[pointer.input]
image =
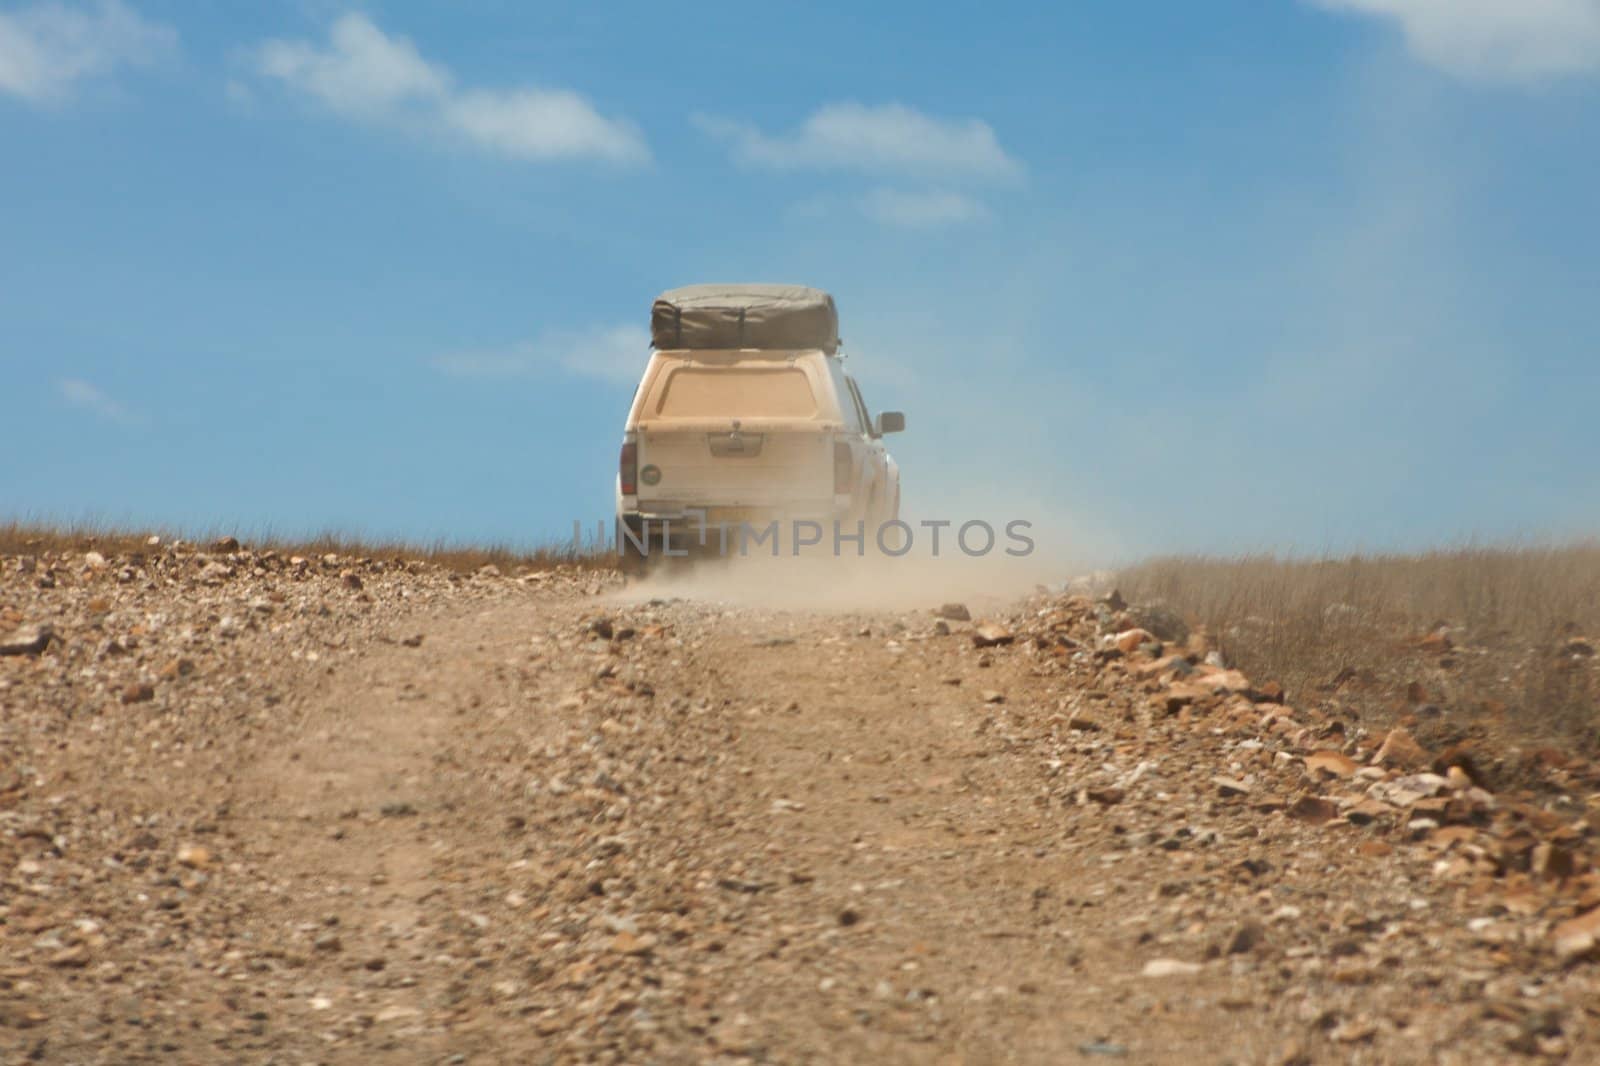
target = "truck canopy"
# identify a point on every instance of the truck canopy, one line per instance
(744, 316)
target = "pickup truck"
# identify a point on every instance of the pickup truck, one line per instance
(721, 440)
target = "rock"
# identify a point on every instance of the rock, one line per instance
(1313, 809)
(954, 612)
(1107, 796)
(941, 628)
(1577, 937)
(225, 545)
(26, 640)
(1578, 648)
(1114, 600)
(633, 944)
(602, 628)
(1225, 681)
(94, 560)
(1401, 749)
(176, 668)
(328, 942)
(1368, 811)
(1170, 968)
(194, 856)
(396, 1013)
(1405, 791)
(1330, 763)
(1436, 643)
(1355, 1031)
(413, 641)
(1130, 640)
(350, 579)
(1229, 786)
(991, 634)
(1271, 692)
(1246, 938)
(139, 692)
(1165, 624)
(1552, 862)
(991, 696)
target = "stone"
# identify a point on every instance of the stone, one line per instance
(225, 545)
(1106, 796)
(176, 668)
(1230, 786)
(1271, 692)
(991, 634)
(1400, 749)
(26, 640)
(1436, 643)
(1576, 937)
(139, 692)
(1552, 862)
(1170, 968)
(1130, 640)
(194, 856)
(1225, 681)
(954, 612)
(1313, 809)
(626, 943)
(1368, 811)
(1162, 622)
(350, 579)
(1330, 763)
(1246, 938)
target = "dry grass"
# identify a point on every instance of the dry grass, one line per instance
(1349, 629)
(30, 538)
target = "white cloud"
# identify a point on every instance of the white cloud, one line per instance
(882, 139)
(921, 210)
(87, 397)
(610, 353)
(365, 74)
(544, 124)
(1506, 40)
(360, 71)
(46, 50)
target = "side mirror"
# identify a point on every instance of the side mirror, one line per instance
(889, 422)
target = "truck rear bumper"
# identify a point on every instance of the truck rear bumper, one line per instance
(730, 530)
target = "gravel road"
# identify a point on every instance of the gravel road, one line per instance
(261, 809)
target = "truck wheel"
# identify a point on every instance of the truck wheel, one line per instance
(631, 561)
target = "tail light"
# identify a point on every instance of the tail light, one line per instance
(629, 468)
(842, 463)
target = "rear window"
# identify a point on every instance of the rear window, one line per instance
(736, 392)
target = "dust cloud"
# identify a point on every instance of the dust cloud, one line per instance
(914, 581)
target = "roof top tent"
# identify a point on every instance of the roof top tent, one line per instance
(744, 316)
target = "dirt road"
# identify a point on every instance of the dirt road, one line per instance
(390, 817)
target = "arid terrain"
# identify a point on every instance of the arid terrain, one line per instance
(257, 807)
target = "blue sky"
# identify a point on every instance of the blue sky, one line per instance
(1157, 276)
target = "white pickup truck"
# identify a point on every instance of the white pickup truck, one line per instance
(723, 439)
